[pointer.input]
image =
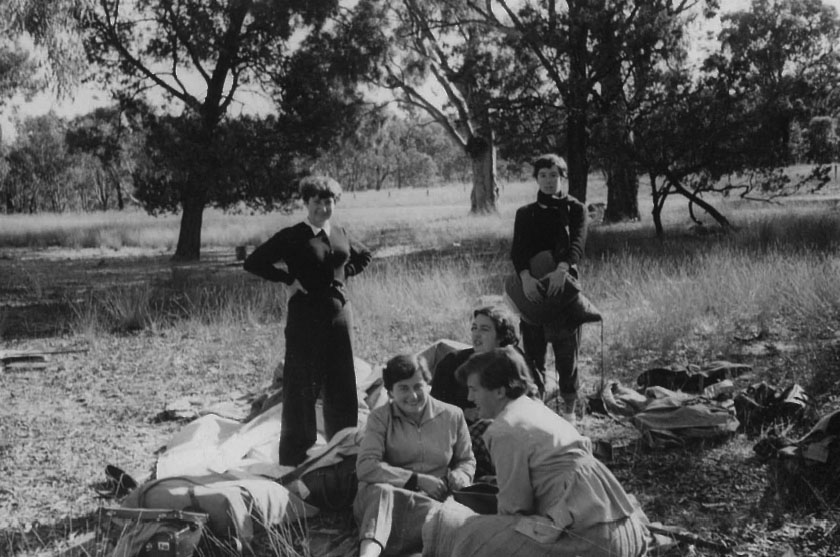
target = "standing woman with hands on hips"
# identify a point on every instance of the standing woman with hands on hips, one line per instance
(319, 256)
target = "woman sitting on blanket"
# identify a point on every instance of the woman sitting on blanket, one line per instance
(414, 451)
(554, 497)
(492, 327)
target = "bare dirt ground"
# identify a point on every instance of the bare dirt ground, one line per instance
(96, 403)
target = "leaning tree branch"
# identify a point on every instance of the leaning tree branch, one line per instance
(534, 46)
(445, 70)
(227, 59)
(676, 184)
(181, 36)
(108, 26)
(415, 98)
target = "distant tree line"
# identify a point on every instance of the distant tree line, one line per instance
(481, 86)
(111, 158)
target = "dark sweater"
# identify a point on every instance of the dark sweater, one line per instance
(313, 260)
(445, 386)
(561, 230)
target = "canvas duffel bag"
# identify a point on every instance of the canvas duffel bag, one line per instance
(153, 532)
(235, 506)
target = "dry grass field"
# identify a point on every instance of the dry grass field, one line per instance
(136, 332)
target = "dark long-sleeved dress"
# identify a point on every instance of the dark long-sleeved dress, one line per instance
(560, 229)
(319, 352)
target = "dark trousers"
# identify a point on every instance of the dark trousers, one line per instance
(564, 342)
(319, 360)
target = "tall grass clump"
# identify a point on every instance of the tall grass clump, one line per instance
(290, 538)
(222, 304)
(797, 229)
(668, 294)
(232, 302)
(123, 309)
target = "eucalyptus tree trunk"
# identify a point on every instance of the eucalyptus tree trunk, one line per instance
(622, 192)
(189, 234)
(577, 134)
(194, 193)
(485, 191)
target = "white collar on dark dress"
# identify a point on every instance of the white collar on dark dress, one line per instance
(315, 230)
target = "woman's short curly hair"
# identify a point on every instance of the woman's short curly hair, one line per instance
(402, 367)
(503, 321)
(549, 160)
(319, 186)
(499, 368)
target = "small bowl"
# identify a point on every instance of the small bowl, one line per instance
(480, 497)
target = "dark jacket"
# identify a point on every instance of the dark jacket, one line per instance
(319, 263)
(561, 230)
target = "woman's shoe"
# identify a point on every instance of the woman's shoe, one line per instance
(568, 412)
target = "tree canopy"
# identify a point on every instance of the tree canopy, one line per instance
(53, 26)
(202, 56)
(435, 56)
(607, 83)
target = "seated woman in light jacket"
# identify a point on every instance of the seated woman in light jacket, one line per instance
(554, 497)
(415, 450)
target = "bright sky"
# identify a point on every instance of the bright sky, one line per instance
(89, 98)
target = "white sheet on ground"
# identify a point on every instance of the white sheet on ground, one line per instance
(215, 444)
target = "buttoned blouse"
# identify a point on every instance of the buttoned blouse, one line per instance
(318, 229)
(545, 467)
(395, 446)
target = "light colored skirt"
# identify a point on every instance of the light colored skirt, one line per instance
(453, 530)
(392, 516)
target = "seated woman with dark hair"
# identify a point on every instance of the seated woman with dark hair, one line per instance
(554, 497)
(492, 327)
(414, 451)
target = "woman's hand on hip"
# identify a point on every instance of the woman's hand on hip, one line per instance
(432, 486)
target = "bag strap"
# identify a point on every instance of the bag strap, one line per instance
(144, 489)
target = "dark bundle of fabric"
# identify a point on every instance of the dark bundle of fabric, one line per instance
(762, 406)
(691, 378)
(803, 473)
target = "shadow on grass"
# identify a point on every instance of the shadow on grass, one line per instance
(78, 536)
(825, 363)
(329, 534)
